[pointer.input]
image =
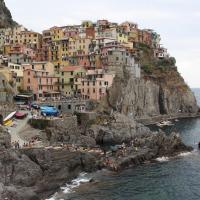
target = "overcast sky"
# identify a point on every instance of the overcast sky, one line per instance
(178, 22)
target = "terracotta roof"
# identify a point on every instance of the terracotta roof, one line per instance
(70, 68)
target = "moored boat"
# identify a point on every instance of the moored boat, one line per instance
(20, 115)
(9, 118)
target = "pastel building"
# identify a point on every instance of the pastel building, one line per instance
(115, 58)
(9, 75)
(18, 71)
(44, 66)
(41, 83)
(95, 84)
(67, 77)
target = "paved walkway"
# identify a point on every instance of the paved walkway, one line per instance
(15, 130)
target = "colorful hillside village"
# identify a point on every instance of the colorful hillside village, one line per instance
(78, 61)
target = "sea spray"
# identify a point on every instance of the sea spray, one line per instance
(68, 188)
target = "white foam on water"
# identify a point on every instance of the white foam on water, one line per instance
(162, 159)
(188, 153)
(185, 154)
(68, 188)
(52, 198)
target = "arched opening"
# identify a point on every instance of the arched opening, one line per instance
(59, 107)
(1, 119)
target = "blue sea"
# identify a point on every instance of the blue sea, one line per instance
(168, 179)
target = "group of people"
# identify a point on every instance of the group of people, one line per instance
(16, 145)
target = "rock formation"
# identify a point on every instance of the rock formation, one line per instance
(5, 16)
(163, 92)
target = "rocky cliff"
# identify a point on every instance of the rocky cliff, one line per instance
(28, 174)
(160, 91)
(5, 16)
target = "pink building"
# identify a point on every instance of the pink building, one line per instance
(95, 84)
(40, 83)
(83, 60)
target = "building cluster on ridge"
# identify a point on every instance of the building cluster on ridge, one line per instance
(79, 60)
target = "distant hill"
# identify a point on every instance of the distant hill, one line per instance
(6, 19)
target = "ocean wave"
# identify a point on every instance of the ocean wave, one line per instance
(162, 159)
(75, 183)
(185, 154)
(68, 188)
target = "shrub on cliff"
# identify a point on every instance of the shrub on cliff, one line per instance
(147, 68)
(166, 62)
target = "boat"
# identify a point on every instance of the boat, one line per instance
(20, 115)
(165, 123)
(9, 118)
(8, 123)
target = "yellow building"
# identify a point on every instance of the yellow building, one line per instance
(7, 49)
(57, 33)
(64, 53)
(87, 24)
(122, 37)
(18, 73)
(67, 77)
(29, 38)
(9, 75)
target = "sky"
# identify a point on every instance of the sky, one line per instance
(177, 21)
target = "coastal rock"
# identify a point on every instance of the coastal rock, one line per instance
(67, 131)
(5, 138)
(120, 129)
(147, 148)
(37, 173)
(162, 93)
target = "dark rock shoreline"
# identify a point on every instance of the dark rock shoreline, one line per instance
(33, 174)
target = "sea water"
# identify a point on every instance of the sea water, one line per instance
(167, 179)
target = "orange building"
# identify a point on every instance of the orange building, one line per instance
(40, 83)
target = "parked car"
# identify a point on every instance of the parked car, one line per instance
(35, 106)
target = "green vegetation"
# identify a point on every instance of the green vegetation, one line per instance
(147, 68)
(166, 62)
(39, 123)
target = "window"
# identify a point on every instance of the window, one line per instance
(72, 73)
(43, 67)
(100, 83)
(29, 73)
(100, 91)
(62, 73)
(93, 90)
(83, 83)
(93, 83)
(83, 90)
(71, 86)
(88, 91)
(69, 107)
(117, 58)
(32, 66)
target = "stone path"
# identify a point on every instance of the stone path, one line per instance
(14, 131)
